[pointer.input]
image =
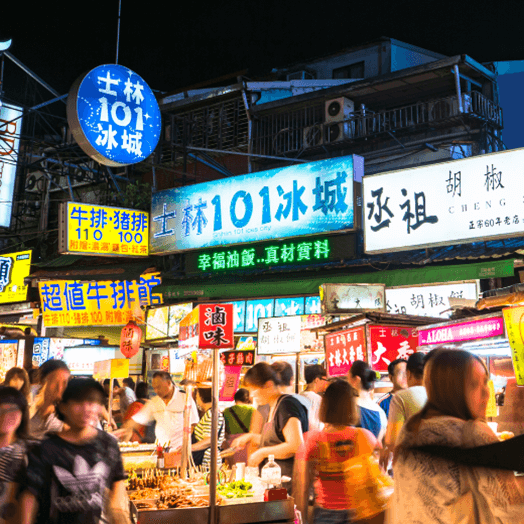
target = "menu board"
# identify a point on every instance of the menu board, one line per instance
(8, 356)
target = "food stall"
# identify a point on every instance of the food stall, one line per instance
(190, 494)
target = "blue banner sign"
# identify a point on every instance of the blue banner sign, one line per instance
(297, 200)
(114, 115)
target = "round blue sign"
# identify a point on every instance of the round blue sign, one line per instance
(114, 115)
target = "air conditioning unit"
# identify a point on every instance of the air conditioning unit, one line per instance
(35, 182)
(312, 136)
(337, 131)
(300, 75)
(339, 109)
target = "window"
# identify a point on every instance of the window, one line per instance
(349, 71)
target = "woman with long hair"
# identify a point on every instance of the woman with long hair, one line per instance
(431, 489)
(283, 422)
(19, 379)
(325, 454)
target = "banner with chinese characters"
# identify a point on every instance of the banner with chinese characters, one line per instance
(106, 303)
(343, 348)
(429, 300)
(230, 384)
(352, 298)
(292, 201)
(279, 335)
(477, 198)
(514, 320)
(238, 358)
(14, 268)
(387, 343)
(8, 356)
(103, 230)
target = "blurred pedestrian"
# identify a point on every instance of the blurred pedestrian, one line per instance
(126, 395)
(76, 474)
(145, 434)
(435, 490)
(397, 376)
(53, 377)
(324, 456)
(372, 416)
(19, 379)
(238, 420)
(316, 384)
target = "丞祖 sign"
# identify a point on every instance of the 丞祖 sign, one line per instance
(477, 198)
(387, 343)
(14, 268)
(343, 348)
(114, 115)
(103, 230)
(99, 303)
(279, 335)
(10, 131)
(292, 201)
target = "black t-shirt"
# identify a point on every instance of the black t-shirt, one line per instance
(70, 480)
(290, 407)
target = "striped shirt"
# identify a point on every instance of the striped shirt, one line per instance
(203, 430)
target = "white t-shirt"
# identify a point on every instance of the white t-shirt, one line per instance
(169, 417)
(404, 404)
(316, 399)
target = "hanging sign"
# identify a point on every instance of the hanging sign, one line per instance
(388, 343)
(97, 303)
(343, 348)
(352, 298)
(279, 335)
(237, 358)
(10, 131)
(230, 384)
(292, 201)
(477, 198)
(514, 320)
(114, 115)
(130, 338)
(103, 230)
(14, 269)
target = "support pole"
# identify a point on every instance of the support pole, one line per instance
(214, 443)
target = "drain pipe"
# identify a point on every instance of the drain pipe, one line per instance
(457, 85)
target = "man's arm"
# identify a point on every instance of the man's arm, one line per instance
(144, 417)
(28, 508)
(396, 420)
(118, 510)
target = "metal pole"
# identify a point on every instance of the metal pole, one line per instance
(118, 30)
(110, 405)
(186, 441)
(214, 443)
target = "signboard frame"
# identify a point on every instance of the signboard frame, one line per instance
(295, 320)
(326, 308)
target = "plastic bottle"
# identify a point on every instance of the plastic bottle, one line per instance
(271, 473)
(159, 457)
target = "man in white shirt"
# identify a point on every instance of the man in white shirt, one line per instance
(166, 408)
(317, 383)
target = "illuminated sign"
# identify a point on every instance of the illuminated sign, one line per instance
(114, 115)
(343, 348)
(14, 269)
(102, 230)
(10, 130)
(164, 322)
(74, 303)
(514, 319)
(8, 356)
(352, 298)
(477, 198)
(45, 348)
(485, 327)
(387, 343)
(279, 335)
(429, 300)
(297, 200)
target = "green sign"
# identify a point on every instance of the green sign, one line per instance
(309, 251)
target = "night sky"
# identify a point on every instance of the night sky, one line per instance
(173, 45)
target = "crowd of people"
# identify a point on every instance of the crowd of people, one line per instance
(429, 433)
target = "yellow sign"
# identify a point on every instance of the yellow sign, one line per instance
(114, 368)
(514, 320)
(14, 268)
(104, 230)
(74, 303)
(491, 410)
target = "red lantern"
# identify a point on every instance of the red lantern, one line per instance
(130, 339)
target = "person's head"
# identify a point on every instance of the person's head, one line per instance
(107, 386)
(397, 374)
(262, 382)
(81, 403)
(129, 383)
(315, 376)
(19, 379)
(14, 413)
(415, 369)
(361, 376)
(285, 373)
(54, 375)
(339, 404)
(33, 376)
(163, 384)
(242, 396)
(142, 390)
(203, 398)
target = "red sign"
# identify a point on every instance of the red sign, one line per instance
(130, 338)
(237, 358)
(230, 385)
(389, 343)
(342, 349)
(216, 323)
